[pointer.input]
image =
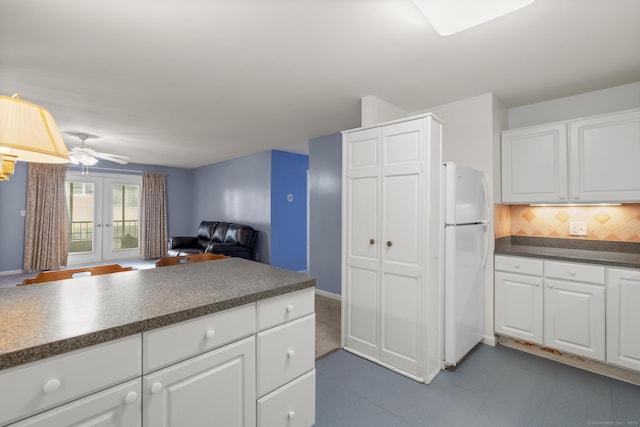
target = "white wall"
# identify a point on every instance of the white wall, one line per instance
(603, 101)
(375, 110)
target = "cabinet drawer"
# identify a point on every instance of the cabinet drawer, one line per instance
(285, 353)
(177, 342)
(529, 266)
(34, 387)
(574, 272)
(292, 405)
(284, 308)
(118, 406)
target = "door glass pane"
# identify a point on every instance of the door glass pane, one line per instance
(125, 216)
(80, 204)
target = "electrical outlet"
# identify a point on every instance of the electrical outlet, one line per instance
(578, 228)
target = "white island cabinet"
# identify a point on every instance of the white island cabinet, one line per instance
(249, 365)
(590, 160)
(49, 383)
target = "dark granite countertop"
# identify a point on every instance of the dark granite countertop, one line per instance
(615, 254)
(43, 320)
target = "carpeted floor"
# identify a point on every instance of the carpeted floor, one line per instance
(328, 317)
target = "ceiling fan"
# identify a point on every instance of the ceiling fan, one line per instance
(85, 156)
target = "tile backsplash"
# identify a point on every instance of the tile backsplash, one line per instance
(613, 223)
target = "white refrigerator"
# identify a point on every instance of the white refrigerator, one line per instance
(466, 234)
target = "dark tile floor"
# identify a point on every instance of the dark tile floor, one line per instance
(492, 387)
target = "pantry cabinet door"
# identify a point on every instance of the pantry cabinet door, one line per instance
(574, 318)
(623, 318)
(603, 157)
(403, 231)
(534, 164)
(361, 242)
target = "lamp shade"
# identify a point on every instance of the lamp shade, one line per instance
(29, 132)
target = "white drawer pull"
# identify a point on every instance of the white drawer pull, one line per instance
(156, 388)
(290, 308)
(51, 386)
(291, 353)
(517, 266)
(210, 334)
(550, 286)
(291, 414)
(572, 273)
(131, 397)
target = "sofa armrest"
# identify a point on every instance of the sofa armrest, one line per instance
(179, 242)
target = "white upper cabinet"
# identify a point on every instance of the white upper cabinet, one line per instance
(591, 160)
(604, 154)
(534, 164)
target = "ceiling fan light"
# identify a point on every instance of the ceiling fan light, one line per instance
(83, 159)
(452, 16)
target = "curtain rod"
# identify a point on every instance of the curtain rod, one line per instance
(98, 168)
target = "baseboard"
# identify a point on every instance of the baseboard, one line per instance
(331, 295)
(572, 360)
(490, 340)
(8, 272)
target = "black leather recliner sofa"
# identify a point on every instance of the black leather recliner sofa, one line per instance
(236, 240)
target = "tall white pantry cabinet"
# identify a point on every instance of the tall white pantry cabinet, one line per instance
(391, 233)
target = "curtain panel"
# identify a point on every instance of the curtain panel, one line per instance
(46, 220)
(153, 221)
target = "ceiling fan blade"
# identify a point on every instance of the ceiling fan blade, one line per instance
(123, 160)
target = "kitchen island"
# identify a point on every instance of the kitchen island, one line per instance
(186, 314)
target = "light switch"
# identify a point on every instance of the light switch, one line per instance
(23, 212)
(578, 228)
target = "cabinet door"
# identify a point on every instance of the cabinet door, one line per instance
(574, 318)
(603, 158)
(534, 165)
(402, 254)
(361, 243)
(518, 306)
(623, 318)
(117, 406)
(215, 388)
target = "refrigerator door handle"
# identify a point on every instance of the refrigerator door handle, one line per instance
(486, 222)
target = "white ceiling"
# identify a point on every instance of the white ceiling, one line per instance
(188, 83)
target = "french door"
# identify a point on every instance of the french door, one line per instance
(104, 217)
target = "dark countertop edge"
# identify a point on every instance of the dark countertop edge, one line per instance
(55, 348)
(612, 254)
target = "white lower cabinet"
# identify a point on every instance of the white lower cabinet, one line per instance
(292, 405)
(623, 318)
(46, 384)
(574, 318)
(215, 388)
(518, 311)
(583, 309)
(518, 298)
(117, 406)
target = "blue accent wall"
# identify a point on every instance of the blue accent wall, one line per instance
(289, 210)
(325, 211)
(236, 190)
